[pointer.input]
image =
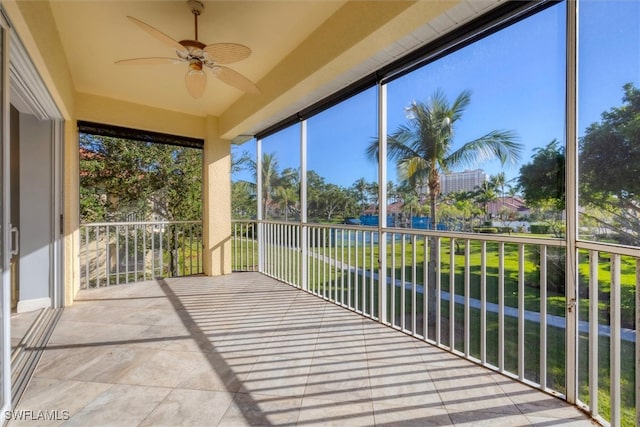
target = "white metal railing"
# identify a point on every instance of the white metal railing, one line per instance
(126, 252)
(497, 300)
(613, 303)
(244, 245)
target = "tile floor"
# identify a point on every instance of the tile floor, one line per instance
(20, 324)
(244, 349)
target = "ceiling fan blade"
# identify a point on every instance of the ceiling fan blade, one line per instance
(157, 33)
(196, 81)
(227, 53)
(150, 61)
(235, 79)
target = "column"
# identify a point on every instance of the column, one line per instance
(216, 202)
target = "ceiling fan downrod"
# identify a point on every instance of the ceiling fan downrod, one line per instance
(196, 8)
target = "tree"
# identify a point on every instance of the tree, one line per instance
(120, 179)
(499, 181)
(327, 201)
(270, 174)
(334, 200)
(241, 162)
(411, 204)
(609, 165)
(361, 186)
(425, 145)
(315, 188)
(457, 214)
(542, 181)
(243, 200)
(286, 197)
(180, 171)
(373, 195)
(485, 194)
(243, 193)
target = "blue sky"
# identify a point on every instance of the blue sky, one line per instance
(516, 77)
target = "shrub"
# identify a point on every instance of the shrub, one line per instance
(487, 230)
(540, 229)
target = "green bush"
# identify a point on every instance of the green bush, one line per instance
(540, 229)
(487, 230)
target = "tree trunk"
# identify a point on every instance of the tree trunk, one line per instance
(173, 264)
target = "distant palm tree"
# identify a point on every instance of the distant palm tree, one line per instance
(484, 194)
(499, 180)
(372, 190)
(286, 196)
(270, 175)
(360, 187)
(424, 146)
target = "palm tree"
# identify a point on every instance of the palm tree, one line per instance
(361, 186)
(485, 194)
(270, 176)
(372, 190)
(286, 197)
(499, 181)
(424, 146)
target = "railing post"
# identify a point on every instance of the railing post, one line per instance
(593, 333)
(304, 256)
(543, 317)
(452, 294)
(382, 199)
(259, 210)
(615, 347)
(521, 315)
(483, 303)
(637, 342)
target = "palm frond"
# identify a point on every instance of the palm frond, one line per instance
(498, 144)
(403, 144)
(372, 149)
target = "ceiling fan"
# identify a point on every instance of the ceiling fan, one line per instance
(199, 56)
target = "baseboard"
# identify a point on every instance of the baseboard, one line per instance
(33, 304)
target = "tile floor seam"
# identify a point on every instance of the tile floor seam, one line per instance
(233, 399)
(111, 385)
(154, 408)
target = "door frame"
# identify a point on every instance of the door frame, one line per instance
(27, 90)
(5, 250)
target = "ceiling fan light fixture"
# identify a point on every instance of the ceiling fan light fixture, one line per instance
(195, 79)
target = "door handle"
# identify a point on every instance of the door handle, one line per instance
(15, 241)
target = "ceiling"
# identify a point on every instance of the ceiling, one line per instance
(284, 36)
